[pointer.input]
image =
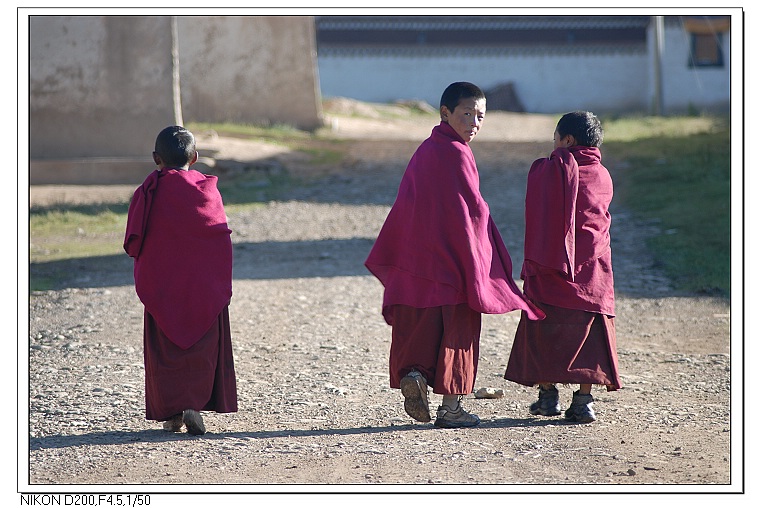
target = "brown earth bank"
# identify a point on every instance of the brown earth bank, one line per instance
(311, 348)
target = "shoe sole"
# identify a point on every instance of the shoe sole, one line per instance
(541, 412)
(173, 424)
(194, 422)
(415, 399)
(446, 424)
(586, 419)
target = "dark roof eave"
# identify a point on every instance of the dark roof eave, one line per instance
(543, 50)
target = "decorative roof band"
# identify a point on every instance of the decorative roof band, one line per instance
(631, 49)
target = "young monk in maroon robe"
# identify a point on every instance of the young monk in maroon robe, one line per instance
(568, 274)
(442, 263)
(178, 236)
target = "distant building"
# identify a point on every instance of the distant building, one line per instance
(539, 64)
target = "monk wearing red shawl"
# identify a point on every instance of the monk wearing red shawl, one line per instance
(178, 236)
(567, 273)
(442, 263)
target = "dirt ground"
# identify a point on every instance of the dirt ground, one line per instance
(316, 414)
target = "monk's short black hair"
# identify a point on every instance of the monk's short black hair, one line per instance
(584, 126)
(176, 146)
(455, 92)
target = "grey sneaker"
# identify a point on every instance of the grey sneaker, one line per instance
(547, 403)
(193, 422)
(415, 391)
(448, 418)
(174, 424)
(580, 409)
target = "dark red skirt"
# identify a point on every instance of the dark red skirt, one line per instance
(568, 347)
(201, 377)
(442, 343)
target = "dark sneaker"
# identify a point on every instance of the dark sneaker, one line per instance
(580, 410)
(193, 422)
(415, 391)
(547, 403)
(448, 418)
(174, 424)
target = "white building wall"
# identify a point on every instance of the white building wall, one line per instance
(558, 83)
(544, 83)
(686, 87)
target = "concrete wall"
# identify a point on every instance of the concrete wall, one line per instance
(250, 69)
(99, 86)
(102, 87)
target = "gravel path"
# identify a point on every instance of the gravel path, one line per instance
(310, 346)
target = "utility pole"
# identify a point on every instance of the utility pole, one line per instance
(176, 89)
(659, 28)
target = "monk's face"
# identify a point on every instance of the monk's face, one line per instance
(467, 117)
(563, 141)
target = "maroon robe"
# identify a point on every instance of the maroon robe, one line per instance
(568, 274)
(178, 236)
(201, 377)
(439, 250)
(441, 343)
(439, 244)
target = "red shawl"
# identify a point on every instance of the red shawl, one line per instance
(439, 244)
(177, 233)
(567, 231)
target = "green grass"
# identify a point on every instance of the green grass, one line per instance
(61, 233)
(637, 128)
(75, 232)
(677, 172)
(253, 188)
(283, 134)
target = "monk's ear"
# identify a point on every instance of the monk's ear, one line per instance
(195, 159)
(445, 113)
(156, 159)
(570, 140)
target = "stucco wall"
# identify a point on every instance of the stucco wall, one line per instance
(100, 86)
(249, 69)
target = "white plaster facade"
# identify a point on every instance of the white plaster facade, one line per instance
(545, 79)
(686, 87)
(544, 83)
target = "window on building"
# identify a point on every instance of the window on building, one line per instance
(706, 49)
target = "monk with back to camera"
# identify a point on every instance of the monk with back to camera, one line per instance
(178, 236)
(567, 273)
